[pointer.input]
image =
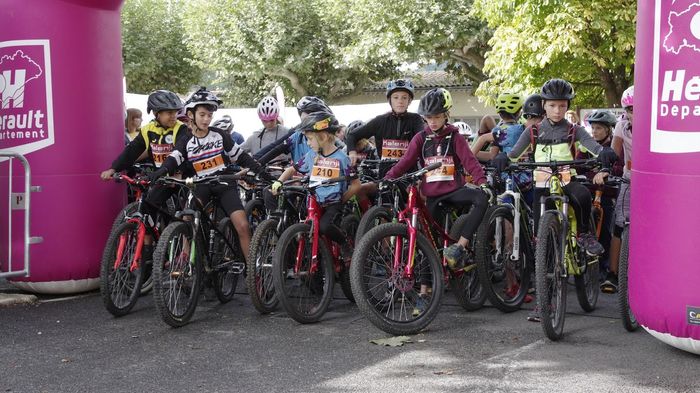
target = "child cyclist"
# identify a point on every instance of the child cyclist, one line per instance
(553, 139)
(622, 144)
(441, 142)
(325, 161)
(156, 139)
(509, 107)
(208, 151)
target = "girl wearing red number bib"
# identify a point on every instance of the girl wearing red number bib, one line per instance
(441, 142)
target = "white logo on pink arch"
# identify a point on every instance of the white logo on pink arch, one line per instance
(26, 106)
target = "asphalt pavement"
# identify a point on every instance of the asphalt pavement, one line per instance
(72, 344)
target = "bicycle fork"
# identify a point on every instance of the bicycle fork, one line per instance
(140, 234)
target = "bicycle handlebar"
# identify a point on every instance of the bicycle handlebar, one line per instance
(192, 181)
(553, 164)
(135, 182)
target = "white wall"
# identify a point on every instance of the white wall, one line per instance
(245, 120)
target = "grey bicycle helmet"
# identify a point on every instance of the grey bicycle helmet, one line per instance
(602, 116)
(163, 100)
(400, 85)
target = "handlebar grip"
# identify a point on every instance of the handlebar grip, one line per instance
(433, 166)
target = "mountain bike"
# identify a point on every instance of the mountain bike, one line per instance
(290, 210)
(505, 244)
(558, 254)
(629, 321)
(305, 262)
(396, 264)
(200, 243)
(122, 269)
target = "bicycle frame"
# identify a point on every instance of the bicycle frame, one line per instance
(138, 219)
(414, 215)
(517, 208)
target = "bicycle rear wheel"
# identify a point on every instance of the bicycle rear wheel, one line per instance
(465, 284)
(386, 296)
(229, 262)
(120, 280)
(550, 277)
(588, 283)
(259, 280)
(374, 216)
(255, 211)
(505, 281)
(349, 225)
(177, 274)
(628, 319)
(305, 291)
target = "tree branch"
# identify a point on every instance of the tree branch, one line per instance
(293, 80)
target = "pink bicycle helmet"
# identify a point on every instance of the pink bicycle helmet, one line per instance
(628, 97)
(268, 109)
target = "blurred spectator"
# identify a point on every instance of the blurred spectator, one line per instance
(572, 117)
(132, 124)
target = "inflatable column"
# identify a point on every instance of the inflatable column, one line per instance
(61, 107)
(664, 269)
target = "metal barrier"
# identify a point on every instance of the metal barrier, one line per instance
(19, 201)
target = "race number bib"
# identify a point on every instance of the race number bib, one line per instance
(209, 165)
(393, 148)
(543, 175)
(445, 173)
(160, 152)
(324, 169)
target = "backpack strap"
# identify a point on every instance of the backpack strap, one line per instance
(572, 141)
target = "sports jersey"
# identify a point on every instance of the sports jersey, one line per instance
(320, 167)
(157, 140)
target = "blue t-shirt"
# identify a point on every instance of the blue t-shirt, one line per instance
(321, 167)
(505, 136)
(297, 146)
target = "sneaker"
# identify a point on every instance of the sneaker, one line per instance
(421, 305)
(610, 283)
(590, 244)
(513, 292)
(534, 315)
(455, 256)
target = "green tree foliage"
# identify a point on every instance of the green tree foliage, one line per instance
(253, 45)
(152, 47)
(421, 30)
(588, 42)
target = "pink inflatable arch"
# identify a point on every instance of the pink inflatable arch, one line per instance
(664, 269)
(61, 106)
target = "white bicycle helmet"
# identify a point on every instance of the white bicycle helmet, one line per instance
(268, 109)
(464, 129)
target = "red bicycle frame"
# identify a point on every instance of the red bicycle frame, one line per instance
(139, 185)
(414, 214)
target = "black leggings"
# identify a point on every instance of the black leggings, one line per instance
(156, 198)
(579, 198)
(462, 197)
(327, 223)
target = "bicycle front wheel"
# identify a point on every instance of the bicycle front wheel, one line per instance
(550, 276)
(628, 319)
(349, 225)
(120, 279)
(177, 274)
(304, 286)
(229, 262)
(259, 279)
(374, 216)
(505, 280)
(392, 300)
(255, 211)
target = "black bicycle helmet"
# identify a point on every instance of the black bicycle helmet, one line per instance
(557, 89)
(163, 100)
(353, 126)
(203, 97)
(434, 102)
(533, 106)
(400, 85)
(309, 104)
(602, 116)
(320, 121)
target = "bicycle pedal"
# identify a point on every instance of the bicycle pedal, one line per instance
(237, 267)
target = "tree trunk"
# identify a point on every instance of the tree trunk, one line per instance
(293, 80)
(611, 86)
